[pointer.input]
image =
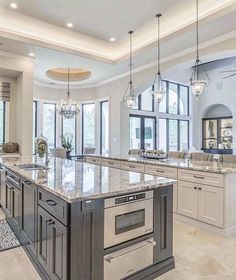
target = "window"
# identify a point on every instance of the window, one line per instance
(176, 100)
(142, 132)
(49, 123)
(2, 121)
(69, 130)
(173, 134)
(104, 127)
(35, 107)
(145, 101)
(88, 125)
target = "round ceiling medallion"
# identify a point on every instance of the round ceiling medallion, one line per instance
(61, 74)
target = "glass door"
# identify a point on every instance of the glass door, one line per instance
(142, 132)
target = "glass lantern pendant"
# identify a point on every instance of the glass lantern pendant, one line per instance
(129, 97)
(158, 90)
(198, 85)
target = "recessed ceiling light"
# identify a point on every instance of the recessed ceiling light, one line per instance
(31, 54)
(13, 5)
(112, 39)
(70, 24)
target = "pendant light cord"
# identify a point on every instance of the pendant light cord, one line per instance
(68, 83)
(197, 36)
(158, 45)
(130, 61)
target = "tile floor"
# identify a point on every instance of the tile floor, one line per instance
(199, 255)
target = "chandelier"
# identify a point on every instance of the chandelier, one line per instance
(158, 90)
(129, 96)
(68, 108)
(198, 84)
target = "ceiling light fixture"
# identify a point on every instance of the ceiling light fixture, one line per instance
(68, 108)
(198, 84)
(158, 89)
(129, 96)
(70, 24)
(13, 5)
(112, 39)
(32, 54)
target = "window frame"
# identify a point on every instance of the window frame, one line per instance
(4, 122)
(101, 122)
(76, 134)
(55, 121)
(142, 126)
(139, 97)
(82, 120)
(178, 132)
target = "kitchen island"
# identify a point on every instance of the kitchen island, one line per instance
(80, 221)
(204, 192)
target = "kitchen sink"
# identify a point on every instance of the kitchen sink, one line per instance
(32, 166)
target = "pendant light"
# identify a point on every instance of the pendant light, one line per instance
(68, 108)
(158, 90)
(129, 96)
(198, 84)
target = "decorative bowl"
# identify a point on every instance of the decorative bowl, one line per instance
(10, 147)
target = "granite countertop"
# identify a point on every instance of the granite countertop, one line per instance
(74, 181)
(205, 166)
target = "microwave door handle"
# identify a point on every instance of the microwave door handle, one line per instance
(111, 258)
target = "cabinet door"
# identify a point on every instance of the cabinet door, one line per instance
(44, 239)
(175, 197)
(58, 251)
(3, 189)
(188, 199)
(29, 217)
(211, 205)
(16, 206)
(9, 199)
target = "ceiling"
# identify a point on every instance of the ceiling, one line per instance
(100, 20)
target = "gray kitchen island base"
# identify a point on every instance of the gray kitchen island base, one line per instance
(67, 239)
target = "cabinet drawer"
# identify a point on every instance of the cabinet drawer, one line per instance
(205, 178)
(162, 171)
(111, 163)
(12, 178)
(54, 205)
(94, 160)
(132, 166)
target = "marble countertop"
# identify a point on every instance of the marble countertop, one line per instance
(205, 166)
(74, 181)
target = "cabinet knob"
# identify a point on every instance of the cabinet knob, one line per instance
(199, 189)
(195, 188)
(50, 222)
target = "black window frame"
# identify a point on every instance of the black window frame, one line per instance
(139, 97)
(4, 122)
(178, 98)
(55, 121)
(142, 125)
(62, 120)
(82, 119)
(178, 132)
(101, 122)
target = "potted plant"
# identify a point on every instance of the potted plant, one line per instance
(67, 144)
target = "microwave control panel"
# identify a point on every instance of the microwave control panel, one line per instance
(130, 198)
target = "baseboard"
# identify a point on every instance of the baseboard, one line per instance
(154, 271)
(204, 226)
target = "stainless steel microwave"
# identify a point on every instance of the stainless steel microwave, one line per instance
(127, 217)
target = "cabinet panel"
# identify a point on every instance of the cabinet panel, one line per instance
(188, 199)
(9, 199)
(111, 163)
(93, 160)
(162, 171)
(175, 197)
(43, 239)
(58, 251)
(132, 166)
(16, 206)
(207, 178)
(29, 215)
(211, 205)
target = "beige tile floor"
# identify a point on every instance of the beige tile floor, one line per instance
(199, 255)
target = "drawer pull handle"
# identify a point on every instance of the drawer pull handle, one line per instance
(27, 182)
(51, 202)
(198, 177)
(110, 162)
(50, 222)
(132, 166)
(160, 171)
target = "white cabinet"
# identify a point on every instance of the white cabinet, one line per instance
(157, 170)
(201, 202)
(94, 160)
(188, 199)
(132, 166)
(175, 197)
(211, 205)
